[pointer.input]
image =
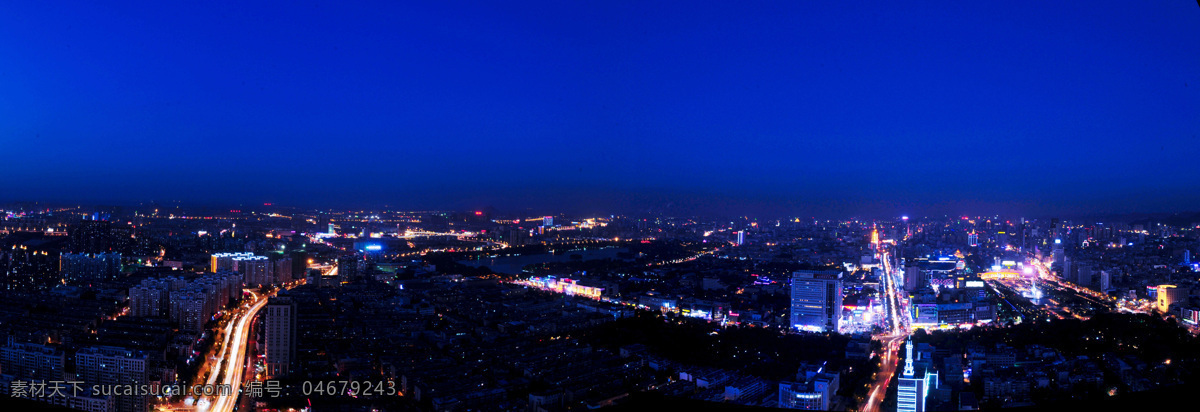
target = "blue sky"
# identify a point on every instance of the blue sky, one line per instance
(743, 107)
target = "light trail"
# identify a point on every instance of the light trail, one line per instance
(234, 368)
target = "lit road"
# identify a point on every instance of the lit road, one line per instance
(235, 359)
(891, 347)
(891, 342)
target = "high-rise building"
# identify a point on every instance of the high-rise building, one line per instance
(347, 268)
(280, 352)
(741, 237)
(224, 261)
(548, 221)
(972, 239)
(915, 278)
(281, 270)
(190, 307)
(816, 300)
(914, 385)
(109, 365)
(151, 298)
(254, 269)
(85, 268)
(1056, 253)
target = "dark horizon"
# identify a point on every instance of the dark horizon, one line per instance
(717, 208)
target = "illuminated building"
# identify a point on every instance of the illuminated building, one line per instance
(1169, 294)
(915, 383)
(657, 302)
(224, 261)
(280, 348)
(816, 300)
(548, 221)
(925, 314)
(741, 237)
(814, 393)
(972, 239)
(565, 286)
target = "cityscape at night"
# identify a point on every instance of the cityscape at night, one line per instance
(565, 206)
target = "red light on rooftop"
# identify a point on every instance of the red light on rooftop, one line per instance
(478, 213)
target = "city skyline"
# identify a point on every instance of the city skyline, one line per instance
(797, 109)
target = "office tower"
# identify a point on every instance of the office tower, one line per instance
(741, 237)
(1168, 295)
(915, 383)
(224, 261)
(85, 268)
(548, 221)
(109, 365)
(972, 239)
(816, 300)
(254, 269)
(280, 352)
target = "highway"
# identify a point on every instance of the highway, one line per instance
(230, 365)
(233, 358)
(237, 357)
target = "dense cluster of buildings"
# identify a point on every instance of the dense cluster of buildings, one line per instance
(479, 311)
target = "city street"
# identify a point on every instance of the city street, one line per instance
(898, 315)
(891, 357)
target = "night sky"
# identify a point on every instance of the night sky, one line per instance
(761, 107)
